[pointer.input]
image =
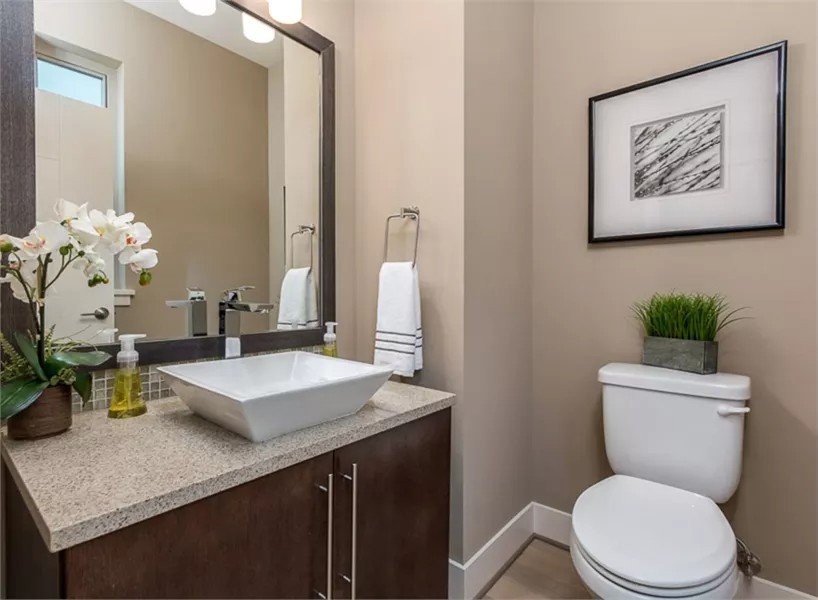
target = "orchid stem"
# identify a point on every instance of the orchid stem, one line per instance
(41, 288)
(29, 296)
(63, 267)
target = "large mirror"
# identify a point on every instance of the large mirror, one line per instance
(209, 130)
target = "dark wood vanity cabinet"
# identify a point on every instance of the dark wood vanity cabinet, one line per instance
(260, 539)
(392, 498)
(385, 535)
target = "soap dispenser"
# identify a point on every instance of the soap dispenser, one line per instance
(127, 399)
(330, 344)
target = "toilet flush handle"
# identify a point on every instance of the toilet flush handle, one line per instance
(726, 411)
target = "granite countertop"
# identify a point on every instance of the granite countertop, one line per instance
(105, 474)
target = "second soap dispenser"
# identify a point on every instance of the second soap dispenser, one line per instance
(330, 340)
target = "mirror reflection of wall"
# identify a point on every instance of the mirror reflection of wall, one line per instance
(209, 138)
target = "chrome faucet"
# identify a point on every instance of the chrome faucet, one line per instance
(230, 308)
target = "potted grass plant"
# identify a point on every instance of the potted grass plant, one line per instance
(681, 329)
(37, 370)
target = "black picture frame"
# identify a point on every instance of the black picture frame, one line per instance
(780, 48)
(18, 188)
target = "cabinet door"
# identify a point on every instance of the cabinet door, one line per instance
(392, 499)
(264, 539)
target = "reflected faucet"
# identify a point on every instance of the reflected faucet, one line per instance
(230, 308)
(196, 305)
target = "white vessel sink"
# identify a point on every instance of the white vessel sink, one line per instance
(260, 397)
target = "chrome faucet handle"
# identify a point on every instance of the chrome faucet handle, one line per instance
(234, 294)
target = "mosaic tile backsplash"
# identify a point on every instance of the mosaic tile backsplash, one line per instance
(153, 385)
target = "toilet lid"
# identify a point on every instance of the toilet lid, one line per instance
(653, 534)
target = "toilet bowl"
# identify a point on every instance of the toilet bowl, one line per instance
(654, 530)
(636, 539)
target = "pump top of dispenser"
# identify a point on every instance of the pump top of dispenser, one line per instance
(127, 353)
(330, 336)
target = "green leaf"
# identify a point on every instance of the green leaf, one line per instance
(52, 367)
(80, 359)
(18, 395)
(28, 350)
(82, 385)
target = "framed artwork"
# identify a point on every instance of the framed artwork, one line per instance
(695, 152)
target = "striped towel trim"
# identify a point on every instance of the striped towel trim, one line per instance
(381, 331)
(382, 349)
(413, 343)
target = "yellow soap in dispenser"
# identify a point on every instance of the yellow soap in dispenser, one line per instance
(127, 399)
(330, 344)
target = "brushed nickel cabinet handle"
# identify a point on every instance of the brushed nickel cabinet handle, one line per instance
(329, 490)
(354, 562)
(354, 529)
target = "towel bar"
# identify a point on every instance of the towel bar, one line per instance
(410, 212)
(301, 229)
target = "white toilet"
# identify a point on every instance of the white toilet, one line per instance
(653, 530)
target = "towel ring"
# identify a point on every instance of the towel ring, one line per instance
(301, 229)
(410, 212)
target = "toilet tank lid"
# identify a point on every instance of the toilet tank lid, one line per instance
(723, 386)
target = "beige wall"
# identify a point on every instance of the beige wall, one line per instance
(497, 463)
(192, 159)
(582, 294)
(409, 150)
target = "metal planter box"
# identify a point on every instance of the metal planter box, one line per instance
(683, 355)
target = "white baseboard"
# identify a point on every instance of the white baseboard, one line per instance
(552, 524)
(756, 588)
(469, 579)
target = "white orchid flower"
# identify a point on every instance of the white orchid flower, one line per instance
(91, 264)
(111, 228)
(139, 259)
(28, 270)
(46, 237)
(138, 235)
(67, 211)
(83, 231)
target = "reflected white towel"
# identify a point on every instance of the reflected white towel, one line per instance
(298, 300)
(399, 336)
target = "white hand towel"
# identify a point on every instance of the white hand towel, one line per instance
(298, 302)
(399, 336)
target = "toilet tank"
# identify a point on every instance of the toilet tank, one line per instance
(676, 428)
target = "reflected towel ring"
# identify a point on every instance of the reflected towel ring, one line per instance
(409, 212)
(301, 229)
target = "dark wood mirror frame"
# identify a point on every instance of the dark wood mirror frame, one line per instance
(18, 188)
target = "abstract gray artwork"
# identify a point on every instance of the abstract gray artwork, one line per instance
(678, 155)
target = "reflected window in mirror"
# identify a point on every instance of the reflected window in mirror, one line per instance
(72, 81)
(209, 137)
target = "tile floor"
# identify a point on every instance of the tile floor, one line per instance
(541, 571)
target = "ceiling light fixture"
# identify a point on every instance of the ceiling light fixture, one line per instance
(286, 11)
(202, 8)
(256, 30)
